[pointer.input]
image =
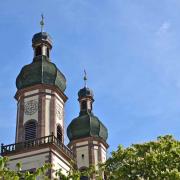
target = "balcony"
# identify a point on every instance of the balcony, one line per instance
(39, 142)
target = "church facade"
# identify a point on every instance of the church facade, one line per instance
(40, 127)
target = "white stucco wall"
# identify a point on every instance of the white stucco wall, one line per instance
(81, 143)
(30, 160)
(95, 142)
(59, 106)
(82, 148)
(95, 151)
(36, 159)
(48, 90)
(59, 163)
(103, 153)
(31, 92)
(82, 161)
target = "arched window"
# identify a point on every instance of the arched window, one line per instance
(38, 51)
(30, 130)
(59, 133)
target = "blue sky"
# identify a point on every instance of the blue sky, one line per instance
(129, 48)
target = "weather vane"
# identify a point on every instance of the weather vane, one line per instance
(42, 22)
(85, 78)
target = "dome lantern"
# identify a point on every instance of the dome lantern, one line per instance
(42, 42)
(85, 97)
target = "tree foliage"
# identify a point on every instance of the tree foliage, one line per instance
(7, 174)
(155, 160)
(158, 160)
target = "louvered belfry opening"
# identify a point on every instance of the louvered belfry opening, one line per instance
(59, 133)
(30, 130)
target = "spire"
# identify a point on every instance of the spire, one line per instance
(42, 22)
(85, 78)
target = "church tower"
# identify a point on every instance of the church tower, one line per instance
(40, 94)
(40, 112)
(87, 134)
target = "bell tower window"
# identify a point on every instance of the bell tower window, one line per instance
(30, 130)
(59, 133)
(83, 105)
(38, 51)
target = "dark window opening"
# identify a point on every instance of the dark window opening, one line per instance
(30, 130)
(38, 51)
(82, 156)
(59, 133)
(47, 52)
(31, 171)
(83, 177)
(84, 105)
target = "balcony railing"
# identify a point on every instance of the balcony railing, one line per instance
(7, 149)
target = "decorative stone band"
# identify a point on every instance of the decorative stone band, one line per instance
(20, 93)
(73, 142)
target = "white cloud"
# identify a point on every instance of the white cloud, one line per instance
(164, 28)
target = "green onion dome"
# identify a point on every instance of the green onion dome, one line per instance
(41, 70)
(86, 125)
